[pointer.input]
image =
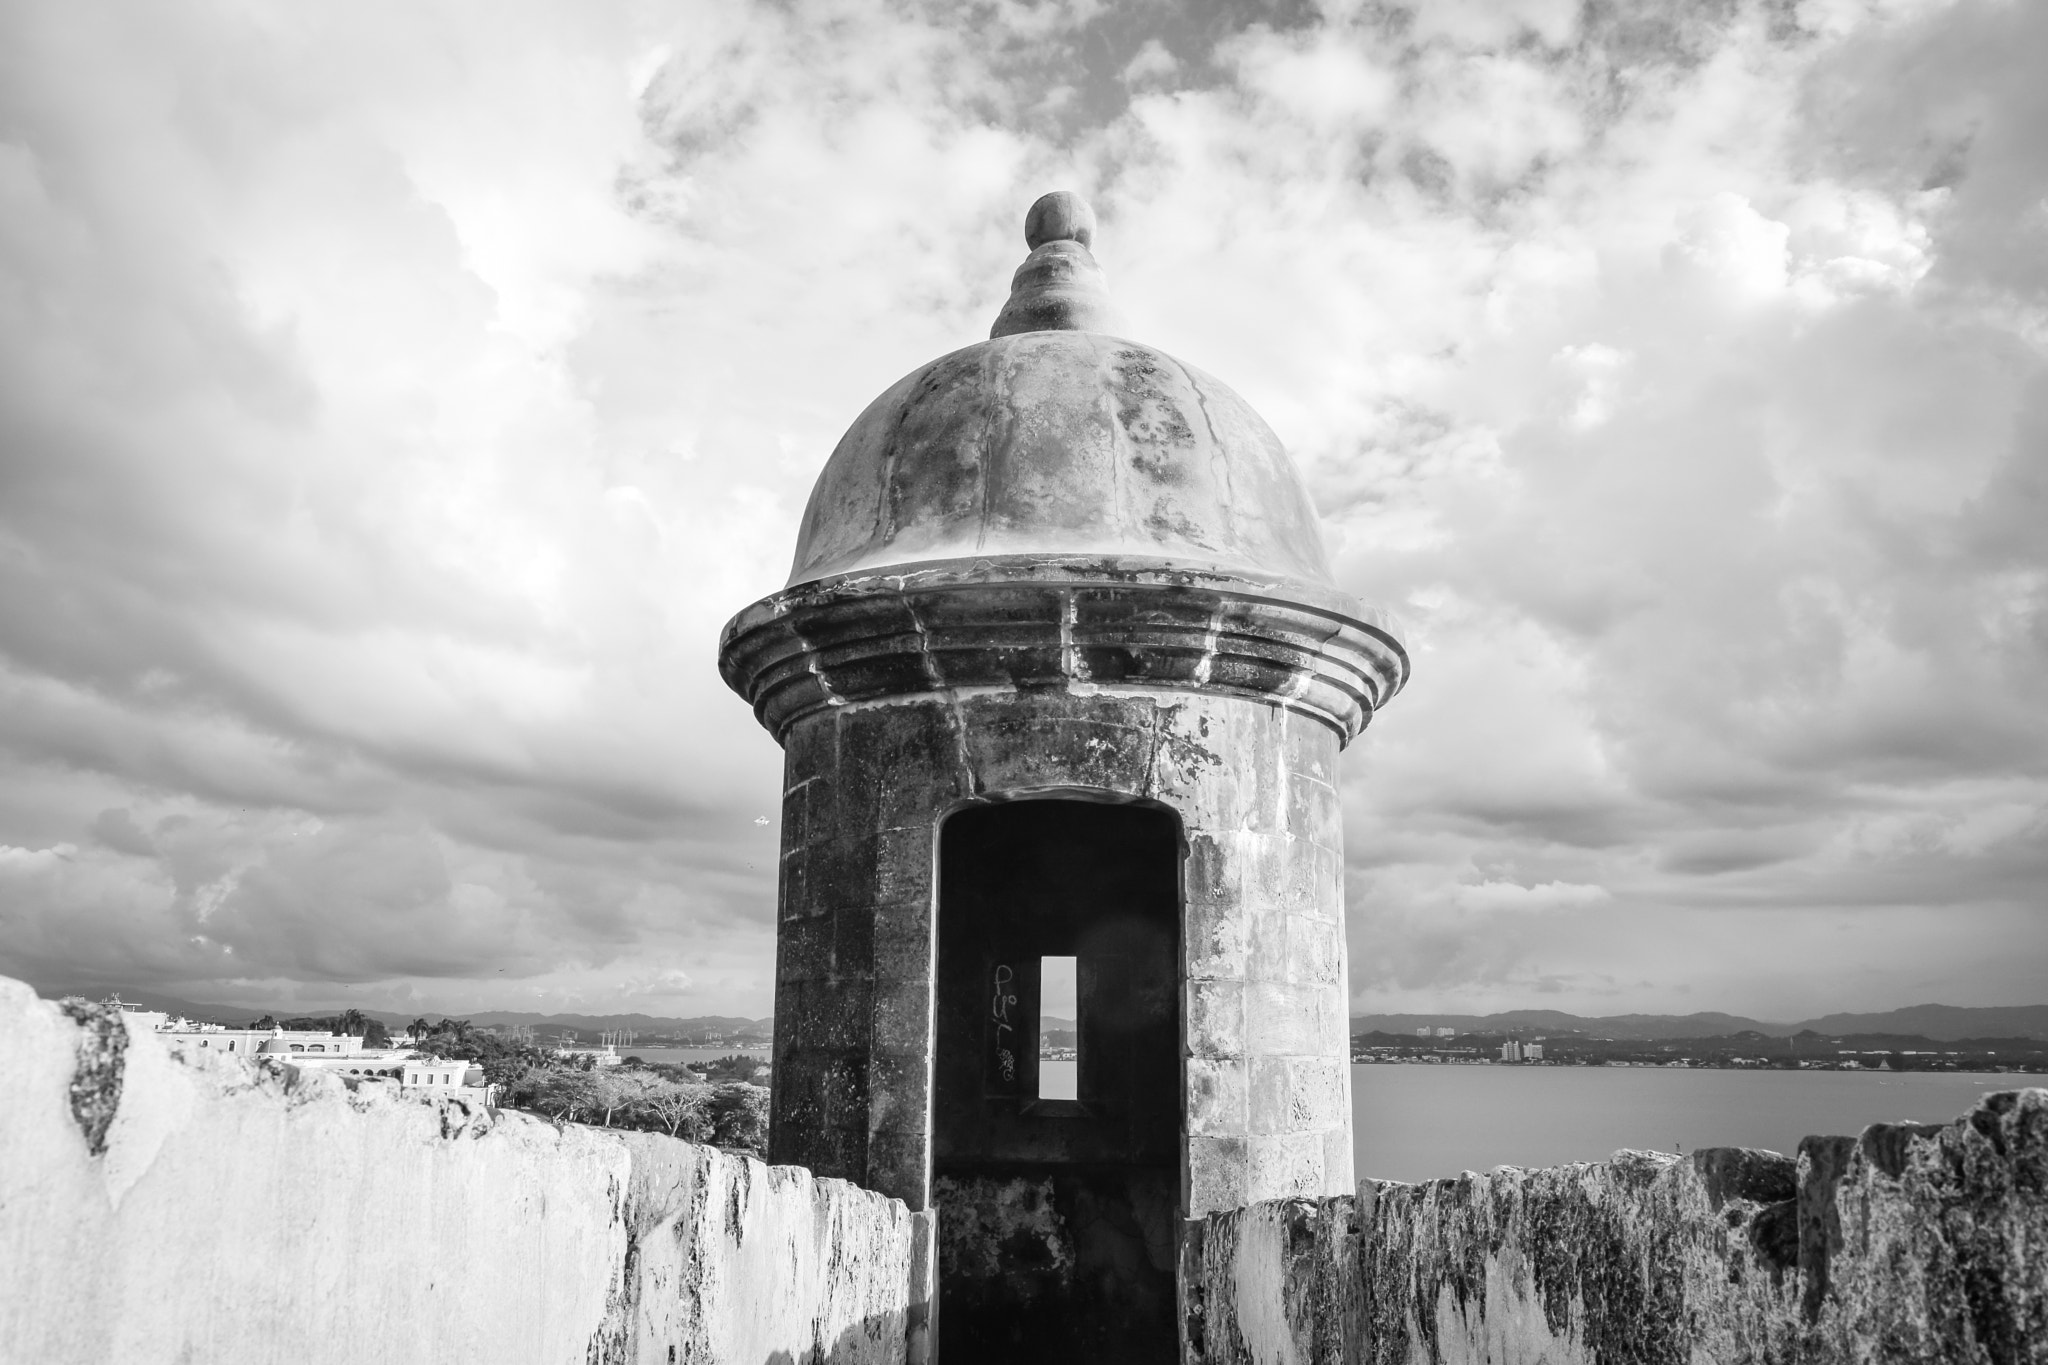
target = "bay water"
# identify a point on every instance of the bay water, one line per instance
(685, 1056)
(1432, 1122)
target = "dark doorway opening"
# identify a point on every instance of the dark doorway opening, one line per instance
(1057, 1216)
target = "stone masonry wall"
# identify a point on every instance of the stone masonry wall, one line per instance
(1910, 1243)
(153, 1209)
(1268, 1075)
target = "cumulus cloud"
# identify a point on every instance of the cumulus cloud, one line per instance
(390, 415)
(1513, 896)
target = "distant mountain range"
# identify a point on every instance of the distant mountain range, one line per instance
(734, 1026)
(1942, 1023)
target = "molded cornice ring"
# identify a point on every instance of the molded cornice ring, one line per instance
(1029, 623)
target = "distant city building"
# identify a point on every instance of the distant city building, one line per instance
(1446, 1033)
(1511, 1051)
(1422, 1032)
(605, 1055)
(1532, 1052)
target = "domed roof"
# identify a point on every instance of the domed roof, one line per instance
(1056, 437)
(272, 1047)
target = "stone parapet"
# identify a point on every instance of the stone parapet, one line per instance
(1910, 1243)
(1033, 623)
(164, 1209)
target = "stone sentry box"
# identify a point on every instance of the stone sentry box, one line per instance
(1062, 671)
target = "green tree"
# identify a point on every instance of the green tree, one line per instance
(739, 1117)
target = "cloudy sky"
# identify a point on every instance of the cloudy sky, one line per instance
(395, 400)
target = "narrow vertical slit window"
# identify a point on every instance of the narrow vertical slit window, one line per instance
(1059, 1029)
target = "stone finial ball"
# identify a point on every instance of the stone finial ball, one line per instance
(1061, 216)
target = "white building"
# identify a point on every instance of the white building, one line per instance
(599, 1056)
(183, 1034)
(439, 1073)
(1511, 1051)
(180, 1033)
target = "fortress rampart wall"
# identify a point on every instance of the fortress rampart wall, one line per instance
(155, 1209)
(1910, 1243)
(158, 1210)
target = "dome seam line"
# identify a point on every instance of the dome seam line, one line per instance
(991, 381)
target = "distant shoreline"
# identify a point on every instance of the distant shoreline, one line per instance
(1694, 1066)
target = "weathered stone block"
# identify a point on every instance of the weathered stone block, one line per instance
(797, 823)
(1315, 951)
(835, 1015)
(904, 857)
(1268, 958)
(1190, 734)
(1272, 1095)
(842, 873)
(1285, 1165)
(1216, 939)
(828, 1087)
(887, 769)
(899, 1165)
(903, 941)
(899, 1090)
(903, 1015)
(1283, 1019)
(794, 900)
(1312, 882)
(1210, 872)
(1218, 1096)
(1339, 1173)
(1309, 748)
(1260, 864)
(803, 950)
(1216, 1020)
(853, 943)
(1313, 813)
(1218, 1173)
(1319, 1094)
(1011, 748)
(1333, 1024)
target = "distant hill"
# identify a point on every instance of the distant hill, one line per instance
(1942, 1023)
(1945, 1023)
(171, 1004)
(1707, 1025)
(735, 1026)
